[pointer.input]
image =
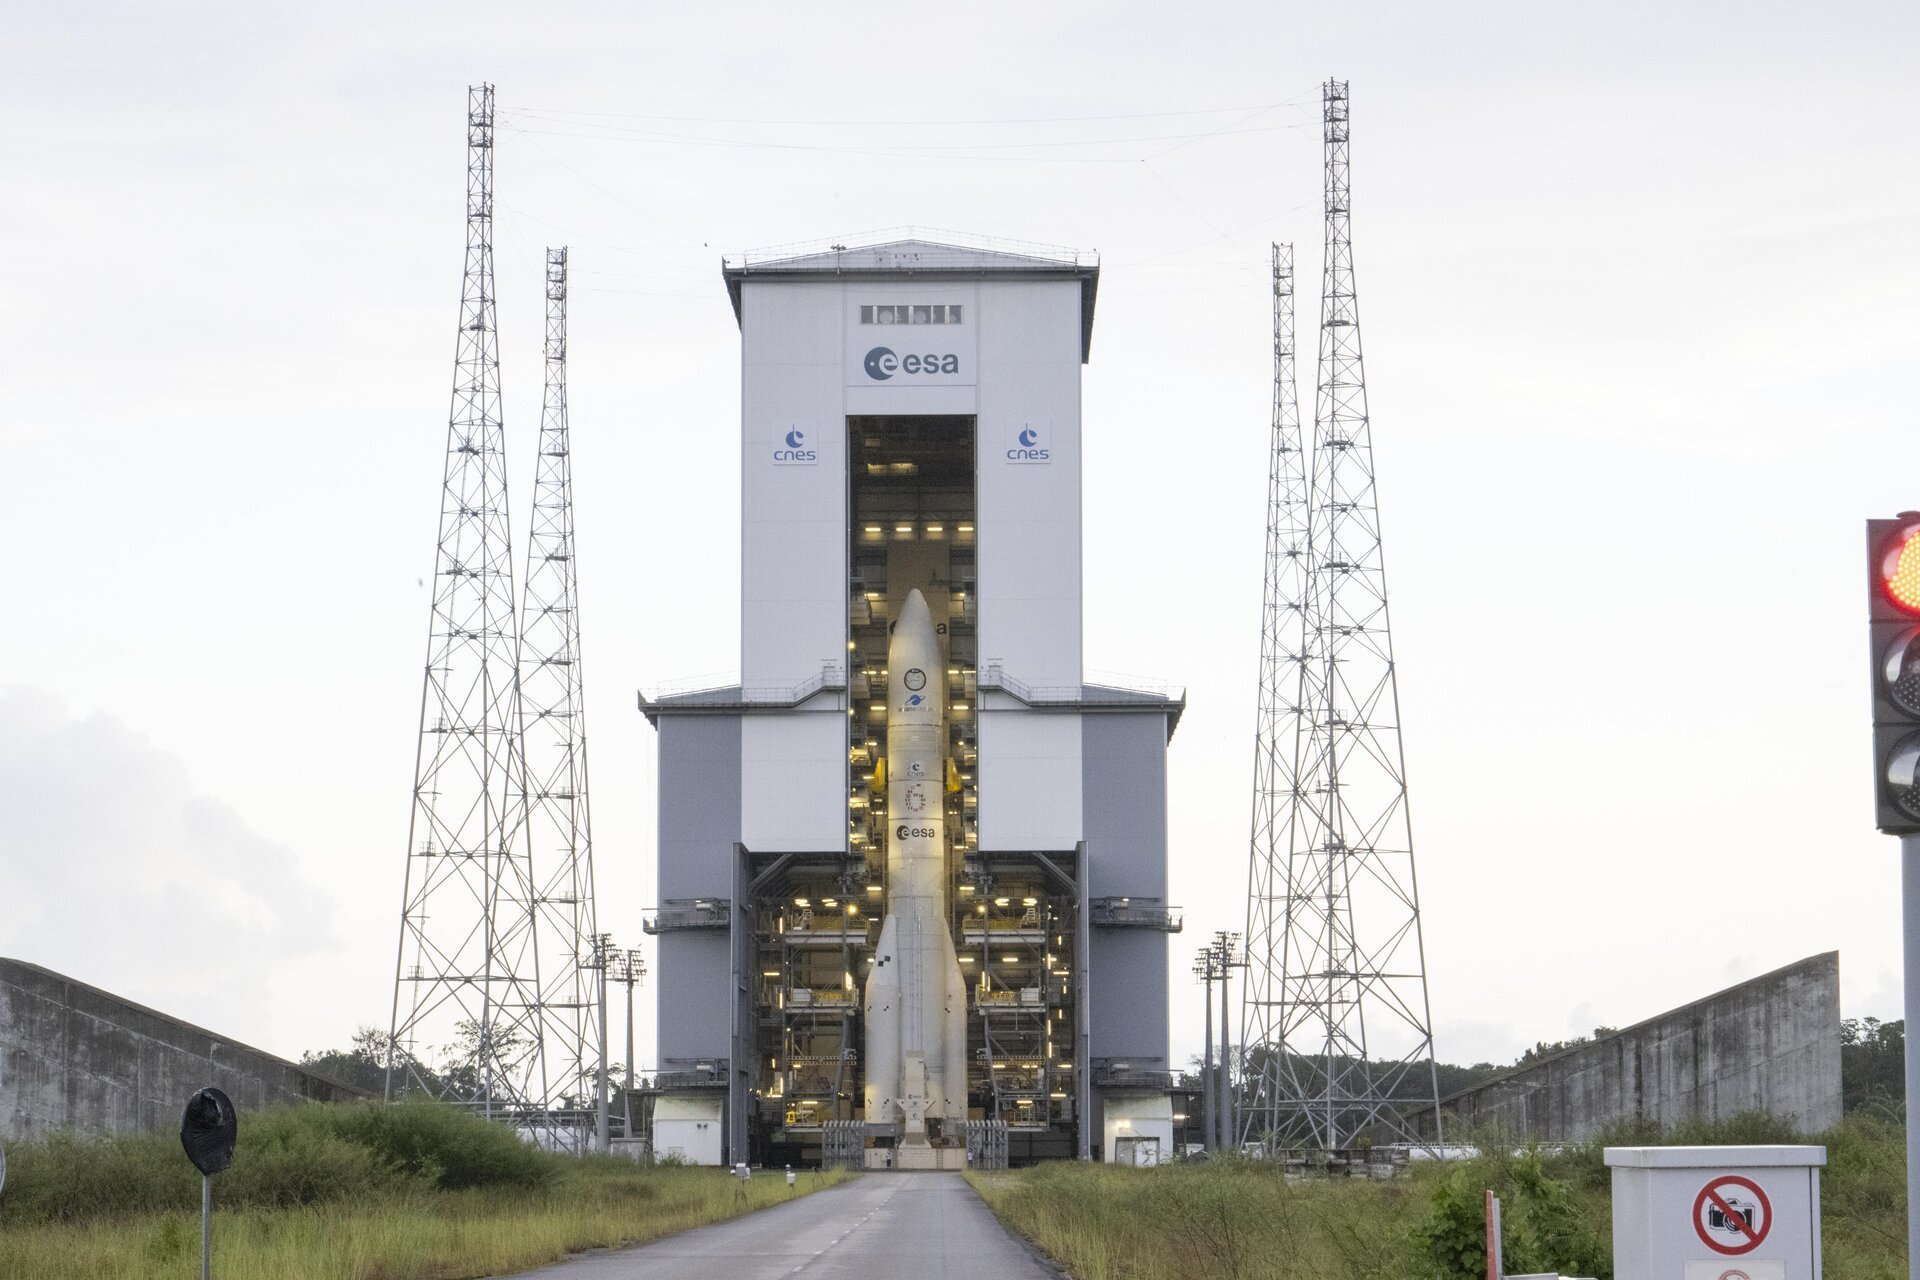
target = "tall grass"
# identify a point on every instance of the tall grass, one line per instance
(1241, 1220)
(346, 1193)
(1229, 1220)
(435, 1236)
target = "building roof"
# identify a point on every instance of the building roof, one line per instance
(912, 255)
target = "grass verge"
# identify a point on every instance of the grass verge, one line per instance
(1241, 1220)
(347, 1194)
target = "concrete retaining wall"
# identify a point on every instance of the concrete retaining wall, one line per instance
(75, 1057)
(1771, 1044)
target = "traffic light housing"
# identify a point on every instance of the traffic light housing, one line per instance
(1893, 593)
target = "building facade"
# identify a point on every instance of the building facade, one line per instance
(911, 422)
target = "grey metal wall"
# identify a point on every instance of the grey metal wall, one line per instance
(699, 804)
(699, 825)
(1770, 1044)
(76, 1057)
(1124, 791)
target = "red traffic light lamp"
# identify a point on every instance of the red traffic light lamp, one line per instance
(1897, 561)
(1893, 591)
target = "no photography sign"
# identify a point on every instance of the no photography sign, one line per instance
(1732, 1215)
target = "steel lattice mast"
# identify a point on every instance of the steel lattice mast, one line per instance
(466, 1020)
(559, 826)
(1351, 1048)
(1284, 615)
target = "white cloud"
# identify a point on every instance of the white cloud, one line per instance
(118, 873)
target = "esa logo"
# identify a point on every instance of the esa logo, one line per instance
(794, 451)
(1028, 447)
(881, 364)
(905, 832)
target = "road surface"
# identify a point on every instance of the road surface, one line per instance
(880, 1226)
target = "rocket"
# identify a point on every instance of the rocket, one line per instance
(916, 1000)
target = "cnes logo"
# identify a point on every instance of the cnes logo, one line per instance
(1028, 446)
(881, 364)
(794, 449)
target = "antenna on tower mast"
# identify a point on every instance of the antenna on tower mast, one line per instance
(466, 1024)
(1337, 1031)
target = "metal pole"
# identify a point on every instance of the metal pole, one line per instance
(1206, 1071)
(1910, 928)
(206, 1226)
(627, 1096)
(1226, 1058)
(600, 1101)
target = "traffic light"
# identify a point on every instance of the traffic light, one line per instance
(1893, 592)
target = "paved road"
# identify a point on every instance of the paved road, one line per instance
(879, 1226)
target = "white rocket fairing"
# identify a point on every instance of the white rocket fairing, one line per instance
(916, 1000)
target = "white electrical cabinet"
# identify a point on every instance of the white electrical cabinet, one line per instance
(1716, 1213)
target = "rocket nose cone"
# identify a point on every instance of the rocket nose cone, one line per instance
(914, 612)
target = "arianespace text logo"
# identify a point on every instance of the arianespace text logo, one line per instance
(1030, 445)
(792, 449)
(882, 364)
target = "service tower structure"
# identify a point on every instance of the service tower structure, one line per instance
(912, 866)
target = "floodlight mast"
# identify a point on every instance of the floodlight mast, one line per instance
(1337, 1033)
(466, 977)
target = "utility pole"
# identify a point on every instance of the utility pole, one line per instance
(603, 957)
(1226, 957)
(628, 969)
(1203, 969)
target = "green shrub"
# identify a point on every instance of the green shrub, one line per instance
(296, 1164)
(69, 1177)
(454, 1148)
(286, 1156)
(1550, 1220)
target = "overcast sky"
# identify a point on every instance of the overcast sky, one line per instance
(1638, 289)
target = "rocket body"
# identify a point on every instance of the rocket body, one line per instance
(916, 999)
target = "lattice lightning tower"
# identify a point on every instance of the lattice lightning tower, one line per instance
(1276, 742)
(466, 1024)
(553, 709)
(1348, 1045)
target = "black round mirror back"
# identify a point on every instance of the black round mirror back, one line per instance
(208, 1130)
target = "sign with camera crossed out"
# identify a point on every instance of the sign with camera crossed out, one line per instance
(1732, 1215)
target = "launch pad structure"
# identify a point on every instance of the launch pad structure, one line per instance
(873, 881)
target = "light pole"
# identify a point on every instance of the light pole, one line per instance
(628, 968)
(603, 956)
(1227, 957)
(1206, 969)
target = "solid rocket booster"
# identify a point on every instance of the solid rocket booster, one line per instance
(916, 1000)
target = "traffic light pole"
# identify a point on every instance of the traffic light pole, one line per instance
(1910, 929)
(1893, 615)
